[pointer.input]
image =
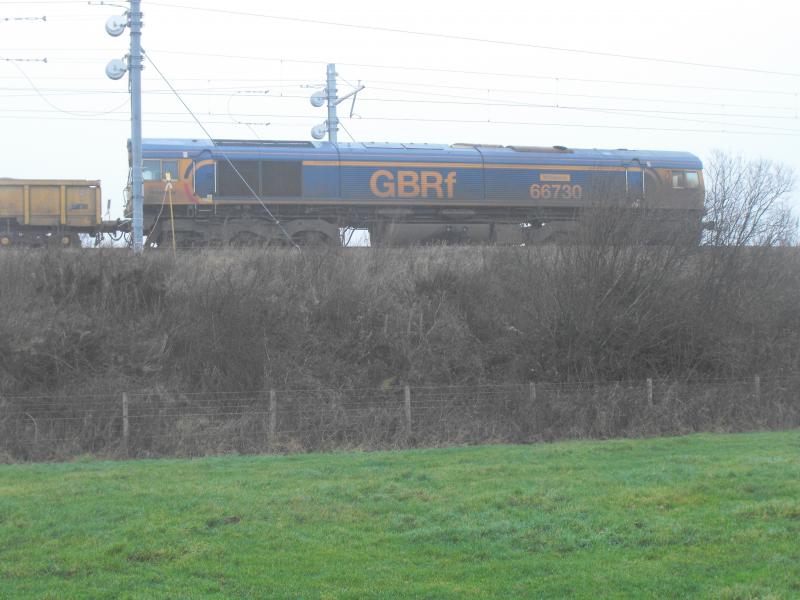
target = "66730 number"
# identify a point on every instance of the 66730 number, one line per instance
(545, 191)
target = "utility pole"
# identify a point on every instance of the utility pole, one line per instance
(115, 70)
(333, 120)
(329, 95)
(135, 78)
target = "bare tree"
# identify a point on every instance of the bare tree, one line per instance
(746, 201)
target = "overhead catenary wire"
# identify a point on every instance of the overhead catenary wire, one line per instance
(457, 99)
(493, 89)
(417, 68)
(503, 74)
(19, 60)
(461, 99)
(227, 90)
(58, 108)
(10, 19)
(638, 113)
(441, 120)
(650, 113)
(237, 122)
(466, 38)
(475, 101)
(642, 113)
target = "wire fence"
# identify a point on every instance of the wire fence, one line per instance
(164, 423)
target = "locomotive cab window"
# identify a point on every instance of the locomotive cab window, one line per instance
(171, 167)
(685, 179)
(151, 170)
(156, 170)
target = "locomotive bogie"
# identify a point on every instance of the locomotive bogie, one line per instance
(239, 232)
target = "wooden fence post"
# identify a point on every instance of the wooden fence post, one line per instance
(649, 391)
(273, 415)
(532, 403)
(757, 388)
(407, 406)
(126, 431)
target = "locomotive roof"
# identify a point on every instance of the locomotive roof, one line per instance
(253, 149)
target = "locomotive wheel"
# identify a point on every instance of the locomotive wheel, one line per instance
(311, 238)
(246, 239)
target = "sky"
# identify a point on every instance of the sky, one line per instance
(691, 76)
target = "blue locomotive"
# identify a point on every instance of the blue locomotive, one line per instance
(224, 192)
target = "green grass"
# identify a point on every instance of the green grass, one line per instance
(708, 516)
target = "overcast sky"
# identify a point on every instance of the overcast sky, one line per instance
(249, 76)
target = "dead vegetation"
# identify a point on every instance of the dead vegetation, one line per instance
(248, 320)
(82, 325)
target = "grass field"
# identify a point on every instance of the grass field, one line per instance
(709, 516)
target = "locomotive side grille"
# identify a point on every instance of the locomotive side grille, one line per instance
(282, 178)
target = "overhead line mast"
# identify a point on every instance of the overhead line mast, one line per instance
(115, 70)
(135, 77)
(329, 95)
(333, 119)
